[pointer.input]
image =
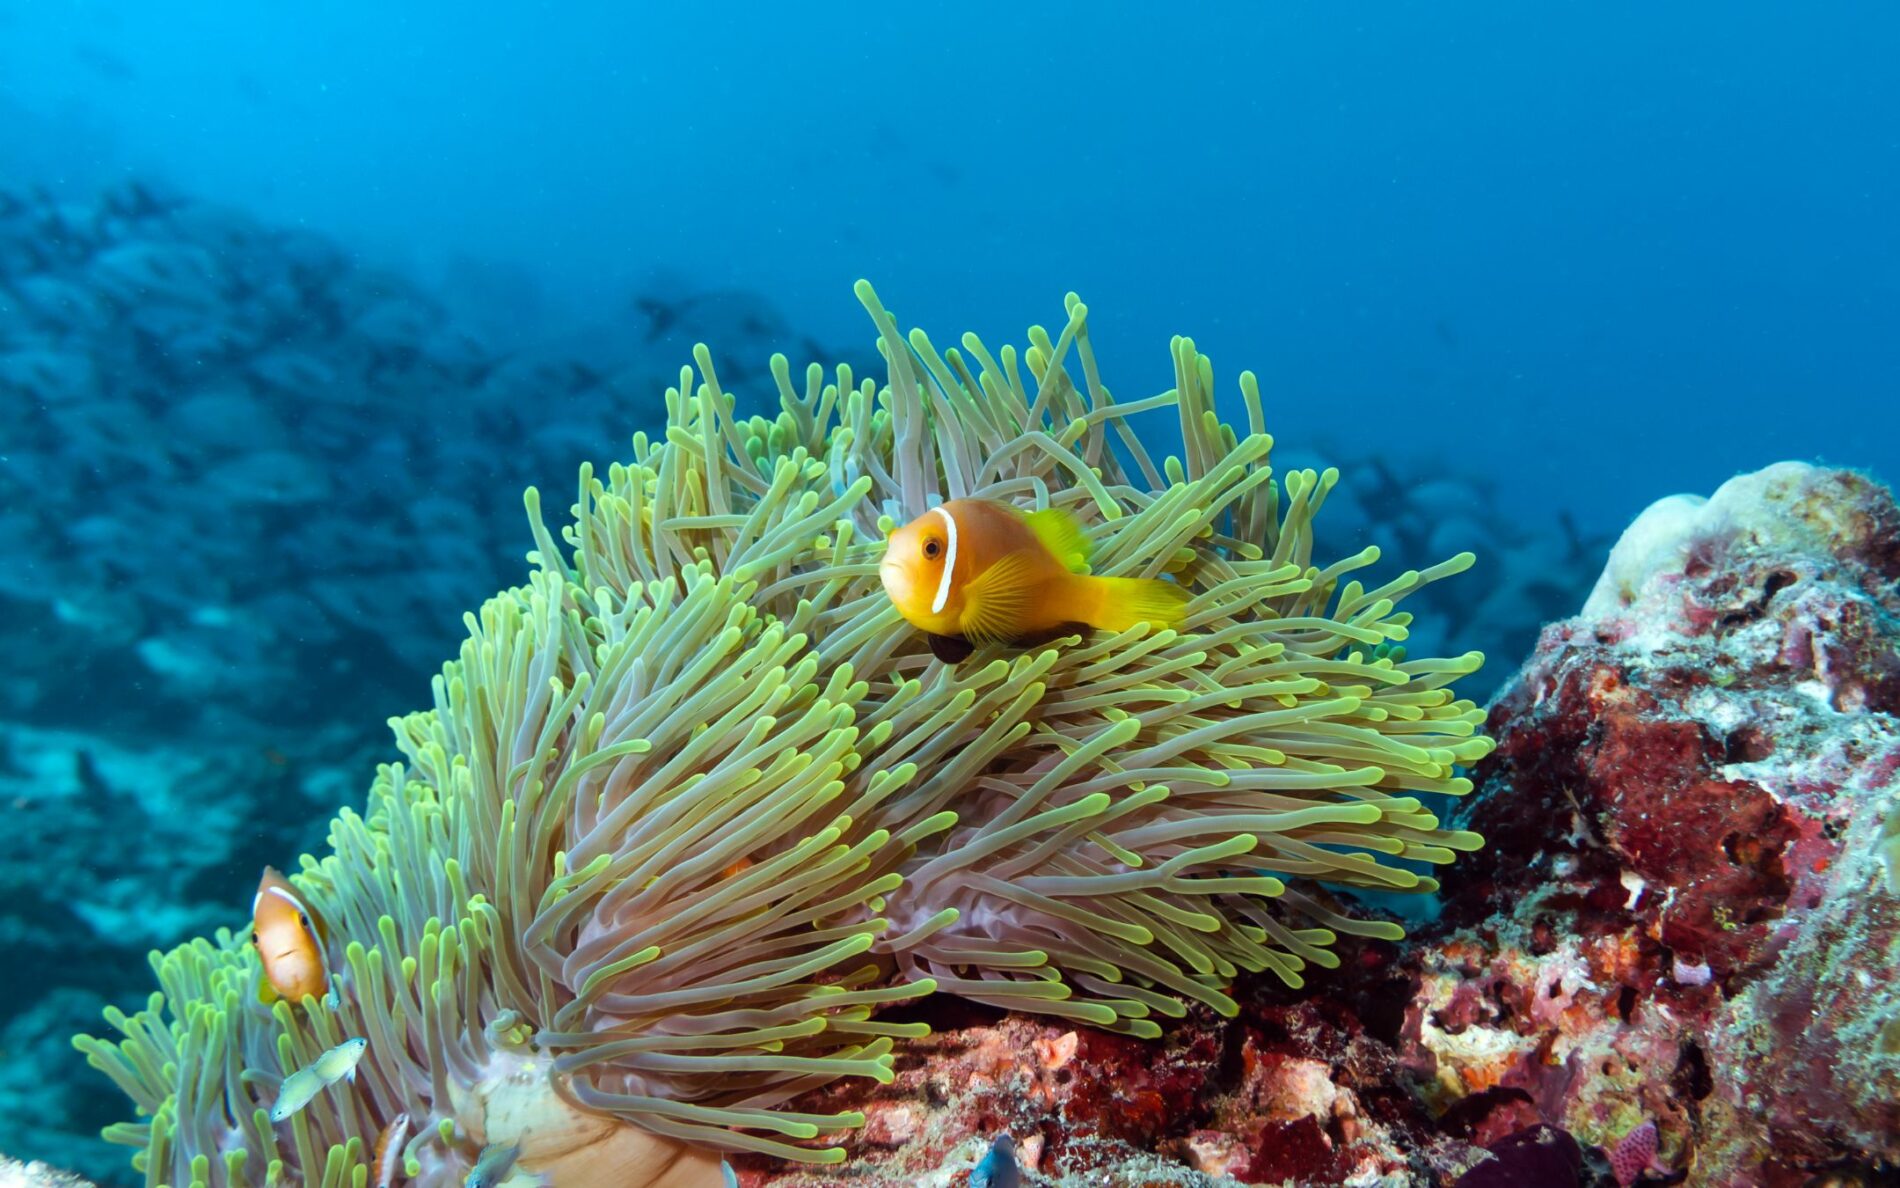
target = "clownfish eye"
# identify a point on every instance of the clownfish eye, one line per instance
(932, 548)
(253, 936)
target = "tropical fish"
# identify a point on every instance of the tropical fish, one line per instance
(286, 941)
(988, 572)
(389, 1146)
(304, 1084)
(998, 1168)
(729, 1177)
(493, 1165)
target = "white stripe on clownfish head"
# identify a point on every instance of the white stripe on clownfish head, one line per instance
(949, 561)
(287, 897)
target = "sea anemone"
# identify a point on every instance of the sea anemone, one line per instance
(694, 802)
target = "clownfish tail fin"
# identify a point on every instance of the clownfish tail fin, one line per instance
(1124, 602)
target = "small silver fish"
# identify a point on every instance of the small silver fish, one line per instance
(998, 1168)
(493, 1165)
(301, 1086)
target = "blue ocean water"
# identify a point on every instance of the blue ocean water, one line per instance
(1611, 250)
(1520, 270)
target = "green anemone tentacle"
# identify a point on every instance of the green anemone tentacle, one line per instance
(693, 802)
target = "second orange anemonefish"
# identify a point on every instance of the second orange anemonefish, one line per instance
(989, 572)
(287, 942)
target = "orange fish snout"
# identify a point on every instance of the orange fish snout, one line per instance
(915, 572)
(293, 971)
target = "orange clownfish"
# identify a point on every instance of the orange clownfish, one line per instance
(286, 940)
(988, 572)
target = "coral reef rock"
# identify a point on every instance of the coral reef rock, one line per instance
(1688, 911)
(232, 448)
(1297, 1089)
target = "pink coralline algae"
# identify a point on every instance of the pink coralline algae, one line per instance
(1674, 962)
(1635, 1155)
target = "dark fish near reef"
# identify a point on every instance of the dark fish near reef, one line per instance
(339, 1063)
(998, 1168)
(493, 1165)
(287, 942)
(987, 572)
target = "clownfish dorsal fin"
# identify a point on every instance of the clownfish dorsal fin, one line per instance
(1060, 533)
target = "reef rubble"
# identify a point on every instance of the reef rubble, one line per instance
(1673, 962)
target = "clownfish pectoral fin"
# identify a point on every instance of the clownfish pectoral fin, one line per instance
(996, 601)
(950, 649)
(1060, 533)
